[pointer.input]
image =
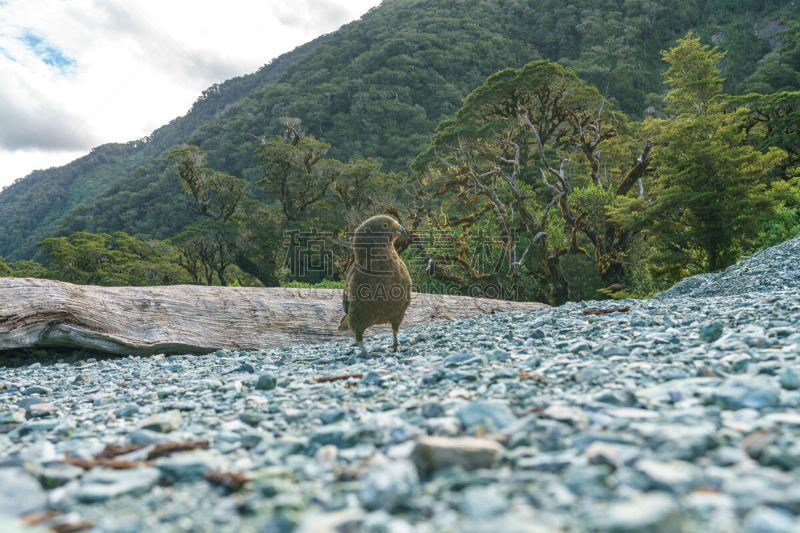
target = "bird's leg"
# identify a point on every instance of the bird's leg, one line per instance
(396, 343)
(360, 343)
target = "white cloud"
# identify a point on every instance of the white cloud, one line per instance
(75, 74)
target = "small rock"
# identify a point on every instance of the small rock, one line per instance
(37, 389)
(711, 332)
(266, 382)
(101, 484)
(789, 379)
(329, 416)
(491, 416)
(371, 378)
(126, 410)
(547, 461)
(460, 358)
(499, 355)
(167, 392)
(432, 410)
(13, 416)
(39, 410)
(654, 511)
(747, 392)
(787, 457)
(388, 485)
(40, 451)
(146, 436)
(253, 418)
(603, 453)
(57, 474)
(162, 422)
(565, 413)
(435, 453)
(768, 520)
(579, 345)
(675, 476)
(246, 367)
(188, 466)
(483, 502)
(20, 493)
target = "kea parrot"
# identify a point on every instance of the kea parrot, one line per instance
(377, 289)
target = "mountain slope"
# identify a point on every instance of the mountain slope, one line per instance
(377, 88)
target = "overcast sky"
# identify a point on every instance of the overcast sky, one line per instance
(75, 74)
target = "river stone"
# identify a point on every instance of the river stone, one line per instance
(162, 422)
(789, 378)
(654, 511)
(388, 485)
(751, 392)
(435, 453)
(20, 493)
(489, 415)
(101, 484)
(188, 466)
(266, 382)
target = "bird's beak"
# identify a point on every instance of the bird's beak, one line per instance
(402, 231)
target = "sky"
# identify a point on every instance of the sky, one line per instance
(75, 74)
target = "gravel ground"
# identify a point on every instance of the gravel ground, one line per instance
(678, 415)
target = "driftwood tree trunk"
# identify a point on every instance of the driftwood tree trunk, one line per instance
(38, 313)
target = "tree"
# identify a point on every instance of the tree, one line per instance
(524, 163)
(5, 270)
(236, 231)
(320, 198)
(207, 248)
(103, 259)
(693, 75)
(710, 186)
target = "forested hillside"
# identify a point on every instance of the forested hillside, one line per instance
(378, 87)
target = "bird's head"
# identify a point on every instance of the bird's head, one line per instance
(378, 230)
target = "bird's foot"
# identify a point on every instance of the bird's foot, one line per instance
(363, 353)
(396, 347)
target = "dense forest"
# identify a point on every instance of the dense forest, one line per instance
(539, 150)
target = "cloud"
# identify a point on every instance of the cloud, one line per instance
(76, 73)
(47, 53)
(35, 118)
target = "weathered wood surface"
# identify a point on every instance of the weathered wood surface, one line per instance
(38, 313)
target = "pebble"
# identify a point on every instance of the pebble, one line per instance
(435, 453)
(162, 422)
(101, 484)
(488, 415)
(20, 493)
(266, 382)
(388, 485)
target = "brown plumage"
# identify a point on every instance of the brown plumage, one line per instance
(378, 288)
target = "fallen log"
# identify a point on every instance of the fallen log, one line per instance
(36, 313)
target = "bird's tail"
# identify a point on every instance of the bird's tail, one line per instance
(344, 325)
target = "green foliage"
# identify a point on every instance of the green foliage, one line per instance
(710, 186)
(5, 270)
(772, 120)
(535, 159)
(118, 259)
(28, 269)
(778, 70)
(693, 75)
(784, 222)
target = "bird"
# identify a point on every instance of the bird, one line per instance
(377, 289)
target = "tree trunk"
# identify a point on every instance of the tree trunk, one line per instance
(37, 313)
